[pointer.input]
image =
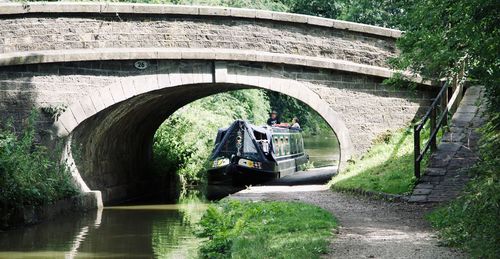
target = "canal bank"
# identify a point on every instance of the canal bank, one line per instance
(34, 214)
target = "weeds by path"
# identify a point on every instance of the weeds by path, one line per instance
(266, 230)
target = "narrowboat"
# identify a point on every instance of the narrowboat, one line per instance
(248, 154)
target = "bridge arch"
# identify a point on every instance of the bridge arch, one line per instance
(82, 55)
(111, 130)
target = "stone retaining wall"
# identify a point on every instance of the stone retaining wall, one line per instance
(29, 215)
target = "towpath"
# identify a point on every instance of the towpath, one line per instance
(372, 228)
(368, 228)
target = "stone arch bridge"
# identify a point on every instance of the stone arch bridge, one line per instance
(81, 59)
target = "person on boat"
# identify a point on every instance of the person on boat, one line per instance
(273, 119)
(295, 123)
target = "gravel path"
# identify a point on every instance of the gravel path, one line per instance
(368, 228)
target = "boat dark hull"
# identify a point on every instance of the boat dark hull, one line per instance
(237, 175)
(246, 154)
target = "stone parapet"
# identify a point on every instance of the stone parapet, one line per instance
(159, 9)
(32, 27)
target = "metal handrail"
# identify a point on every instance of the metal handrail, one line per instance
(446, 105)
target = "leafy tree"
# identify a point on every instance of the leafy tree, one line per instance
(386, 13)
(440, 33)
(289, 107)
(323, 8)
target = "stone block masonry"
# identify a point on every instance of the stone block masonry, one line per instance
(58, 31)
(29, 215)
(368, 107)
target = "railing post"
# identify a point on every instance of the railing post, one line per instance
(445, 106)
(438, 109)
(433, 128)
(416, 151)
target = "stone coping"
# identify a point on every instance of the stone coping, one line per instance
(75, 55)
(160, 9)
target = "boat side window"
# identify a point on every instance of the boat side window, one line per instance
(301, 144)
(282, 146)
(293, 145)
(276, 146)
(297, 146)
(287, 146)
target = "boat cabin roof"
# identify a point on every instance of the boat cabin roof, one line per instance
(266, 132)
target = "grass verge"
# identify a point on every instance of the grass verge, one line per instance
(471, 222)
(265, 230)
(387, 167)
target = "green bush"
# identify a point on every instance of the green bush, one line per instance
(265, 230)
(472, 221)
(28, 174)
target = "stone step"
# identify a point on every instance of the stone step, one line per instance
(446, 175)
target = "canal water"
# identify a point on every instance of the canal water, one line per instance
(323, 150)
(131, 231)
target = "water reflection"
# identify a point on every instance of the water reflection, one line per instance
(144, 231)
(323, 150)
(80, 237)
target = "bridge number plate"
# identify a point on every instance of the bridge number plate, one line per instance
(141, 64)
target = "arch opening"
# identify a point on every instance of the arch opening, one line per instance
(185, 141)
(112, 148)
